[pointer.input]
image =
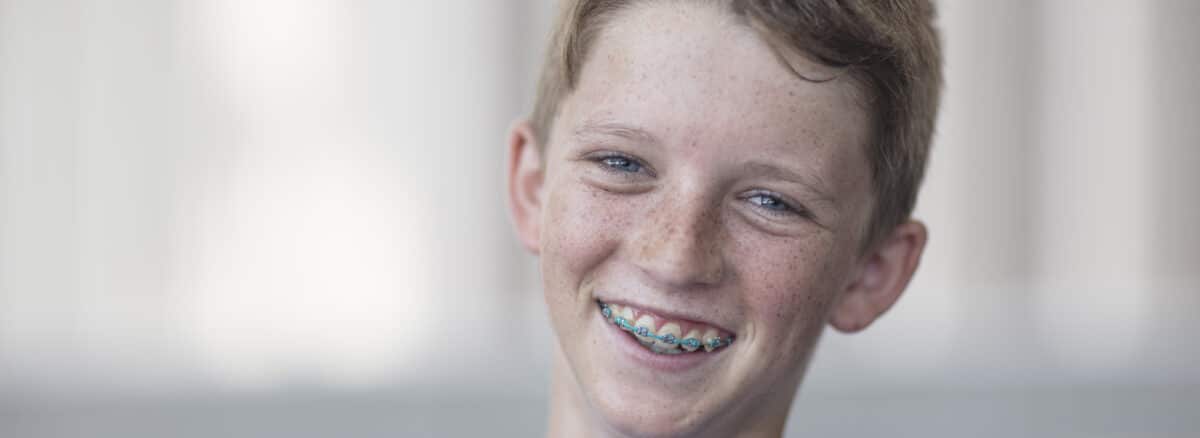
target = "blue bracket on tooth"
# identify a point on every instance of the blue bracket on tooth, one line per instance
(644, 332)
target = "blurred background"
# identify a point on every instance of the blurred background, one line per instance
(286, 218)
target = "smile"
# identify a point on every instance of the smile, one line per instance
(664, 336)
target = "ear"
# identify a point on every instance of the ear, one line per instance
(525, 177)
(883, 273)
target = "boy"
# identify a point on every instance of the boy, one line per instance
(709, 183)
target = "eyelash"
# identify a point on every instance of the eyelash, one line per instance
(618, 163)
(778, 207)
(609, 162)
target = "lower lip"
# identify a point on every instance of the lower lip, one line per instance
(644, 358)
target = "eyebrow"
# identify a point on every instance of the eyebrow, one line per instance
(607, 128)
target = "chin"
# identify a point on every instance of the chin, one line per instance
(648, 420)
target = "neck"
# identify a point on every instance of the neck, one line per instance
(571, 415)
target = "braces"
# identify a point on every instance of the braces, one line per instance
(645, 332)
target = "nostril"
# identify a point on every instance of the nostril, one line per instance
(683, 261)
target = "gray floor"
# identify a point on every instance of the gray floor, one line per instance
(1144, 412)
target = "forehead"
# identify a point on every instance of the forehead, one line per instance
(691, 73)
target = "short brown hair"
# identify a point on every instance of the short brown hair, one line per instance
(890, 48)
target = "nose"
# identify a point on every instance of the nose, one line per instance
(678, 244)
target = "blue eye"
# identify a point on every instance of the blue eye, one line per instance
(622, 164)
(770, 202)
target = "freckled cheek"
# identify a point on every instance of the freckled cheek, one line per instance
(581, 229)
(788, 292)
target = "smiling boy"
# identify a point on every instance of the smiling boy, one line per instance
(708, 184)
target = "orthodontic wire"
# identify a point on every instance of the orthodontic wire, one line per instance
(668, 338)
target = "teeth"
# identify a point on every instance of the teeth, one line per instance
(671, 332)
(692, 334)
(627, 313)
(666, 340)
(709, 336)
(644, 329)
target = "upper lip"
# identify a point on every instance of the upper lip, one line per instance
(684, 315)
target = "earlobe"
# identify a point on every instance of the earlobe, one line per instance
(525, 178)
(883, 273)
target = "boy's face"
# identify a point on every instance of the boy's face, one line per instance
(694, 178)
